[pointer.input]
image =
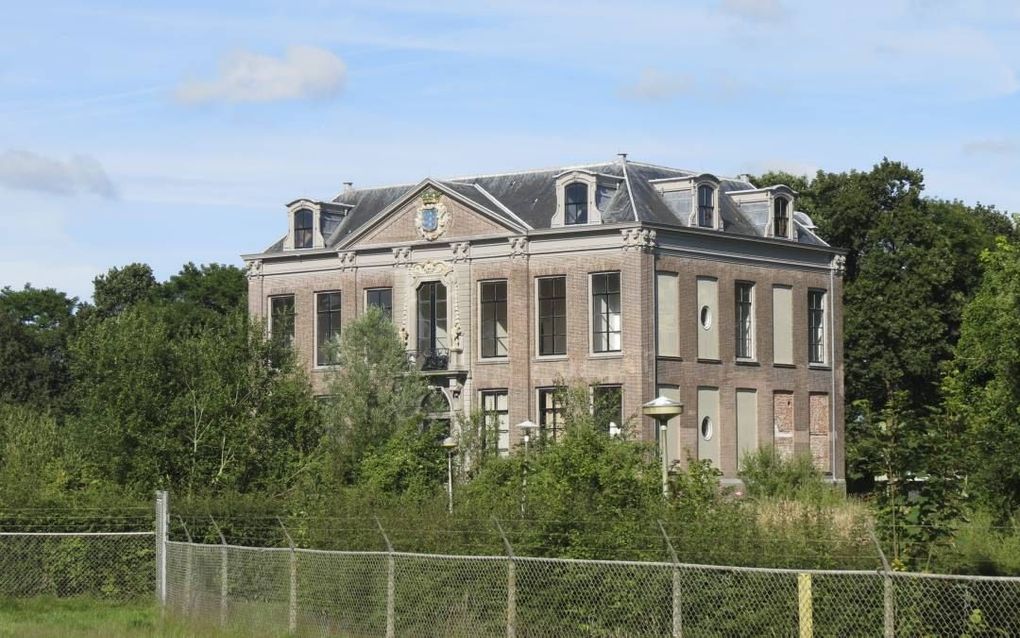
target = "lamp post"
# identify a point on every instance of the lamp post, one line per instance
(451, 446)
(662, 409)
(527, 427)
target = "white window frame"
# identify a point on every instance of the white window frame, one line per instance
(591, 315)
(478, 318)
(753, 341)
(823, 346)
(364, 298)
(269, 314)
(566, 318)
(482, 394)
(315, 326)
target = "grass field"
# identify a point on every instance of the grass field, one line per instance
(92, 618)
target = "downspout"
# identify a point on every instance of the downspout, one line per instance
(832, 367)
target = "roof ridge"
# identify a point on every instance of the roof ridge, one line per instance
(545, 169)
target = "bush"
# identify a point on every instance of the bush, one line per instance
(766, 474)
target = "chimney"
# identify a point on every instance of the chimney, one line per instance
(348, 187)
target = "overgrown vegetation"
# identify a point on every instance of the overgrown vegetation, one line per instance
(169, 385)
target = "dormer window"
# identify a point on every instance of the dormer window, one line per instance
(781, 217)
(303, 236)
(576, 204)
(706, 206)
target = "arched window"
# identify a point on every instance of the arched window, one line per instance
(706, 206)
(303, 228)
(781, 217)
(576, 209)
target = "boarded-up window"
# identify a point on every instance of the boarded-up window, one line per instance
(782, 325)
(708, 325)
(782, 411)
(709, 428)
(820, 432)
(747, 423)
(667, 320)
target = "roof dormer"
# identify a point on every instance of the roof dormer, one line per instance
(781, 200)
(310, 223)
(576, 203)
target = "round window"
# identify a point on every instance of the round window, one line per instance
(706, 317)
(706, 428)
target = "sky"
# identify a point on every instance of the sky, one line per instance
(165, 133)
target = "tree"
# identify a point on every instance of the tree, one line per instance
(374, 392)
(34, 328)
(121, 288)
(982, 387)
(212, 288)
(196, 413)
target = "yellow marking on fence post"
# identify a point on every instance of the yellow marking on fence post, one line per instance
(805, 606)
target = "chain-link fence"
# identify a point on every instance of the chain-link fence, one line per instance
(116, 565)
(350, 593)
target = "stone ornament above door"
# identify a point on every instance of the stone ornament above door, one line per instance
(432, 216)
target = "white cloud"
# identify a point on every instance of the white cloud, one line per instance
(763, 10)
(991, 146)
(303, 73)
(25, 170)
(653, 85)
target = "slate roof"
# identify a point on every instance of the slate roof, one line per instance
(530, 197)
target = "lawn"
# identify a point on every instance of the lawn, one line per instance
(92, 618)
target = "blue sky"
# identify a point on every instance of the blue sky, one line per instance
(173, 132)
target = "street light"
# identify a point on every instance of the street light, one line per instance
(527, 426)
(451, 446)
(662, 409)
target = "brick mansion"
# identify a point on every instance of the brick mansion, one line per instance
(634, 279)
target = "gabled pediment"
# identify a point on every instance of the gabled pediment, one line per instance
(437, 211)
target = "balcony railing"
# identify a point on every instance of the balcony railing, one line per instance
(428, 360)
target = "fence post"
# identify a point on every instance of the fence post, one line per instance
(391, 585)
(678, 624)
(292, 615)
(888, 593)
(511, 583)
(162, 529)
(188, 569)
(805, 606)
(224, 583)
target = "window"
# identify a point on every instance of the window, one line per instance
(303, 228)
(706, 207)
(781, 217)
(281, 320)
(327, 326)
(576, 205)
(816, 326)
(432, 319)
(605, 310)
(493, 320)
(607, 405)
(550, 412)
(497, 422)
(743, 298)
(552, 316)
(381, 298)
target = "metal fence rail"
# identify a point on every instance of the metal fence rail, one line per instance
(344, 593)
